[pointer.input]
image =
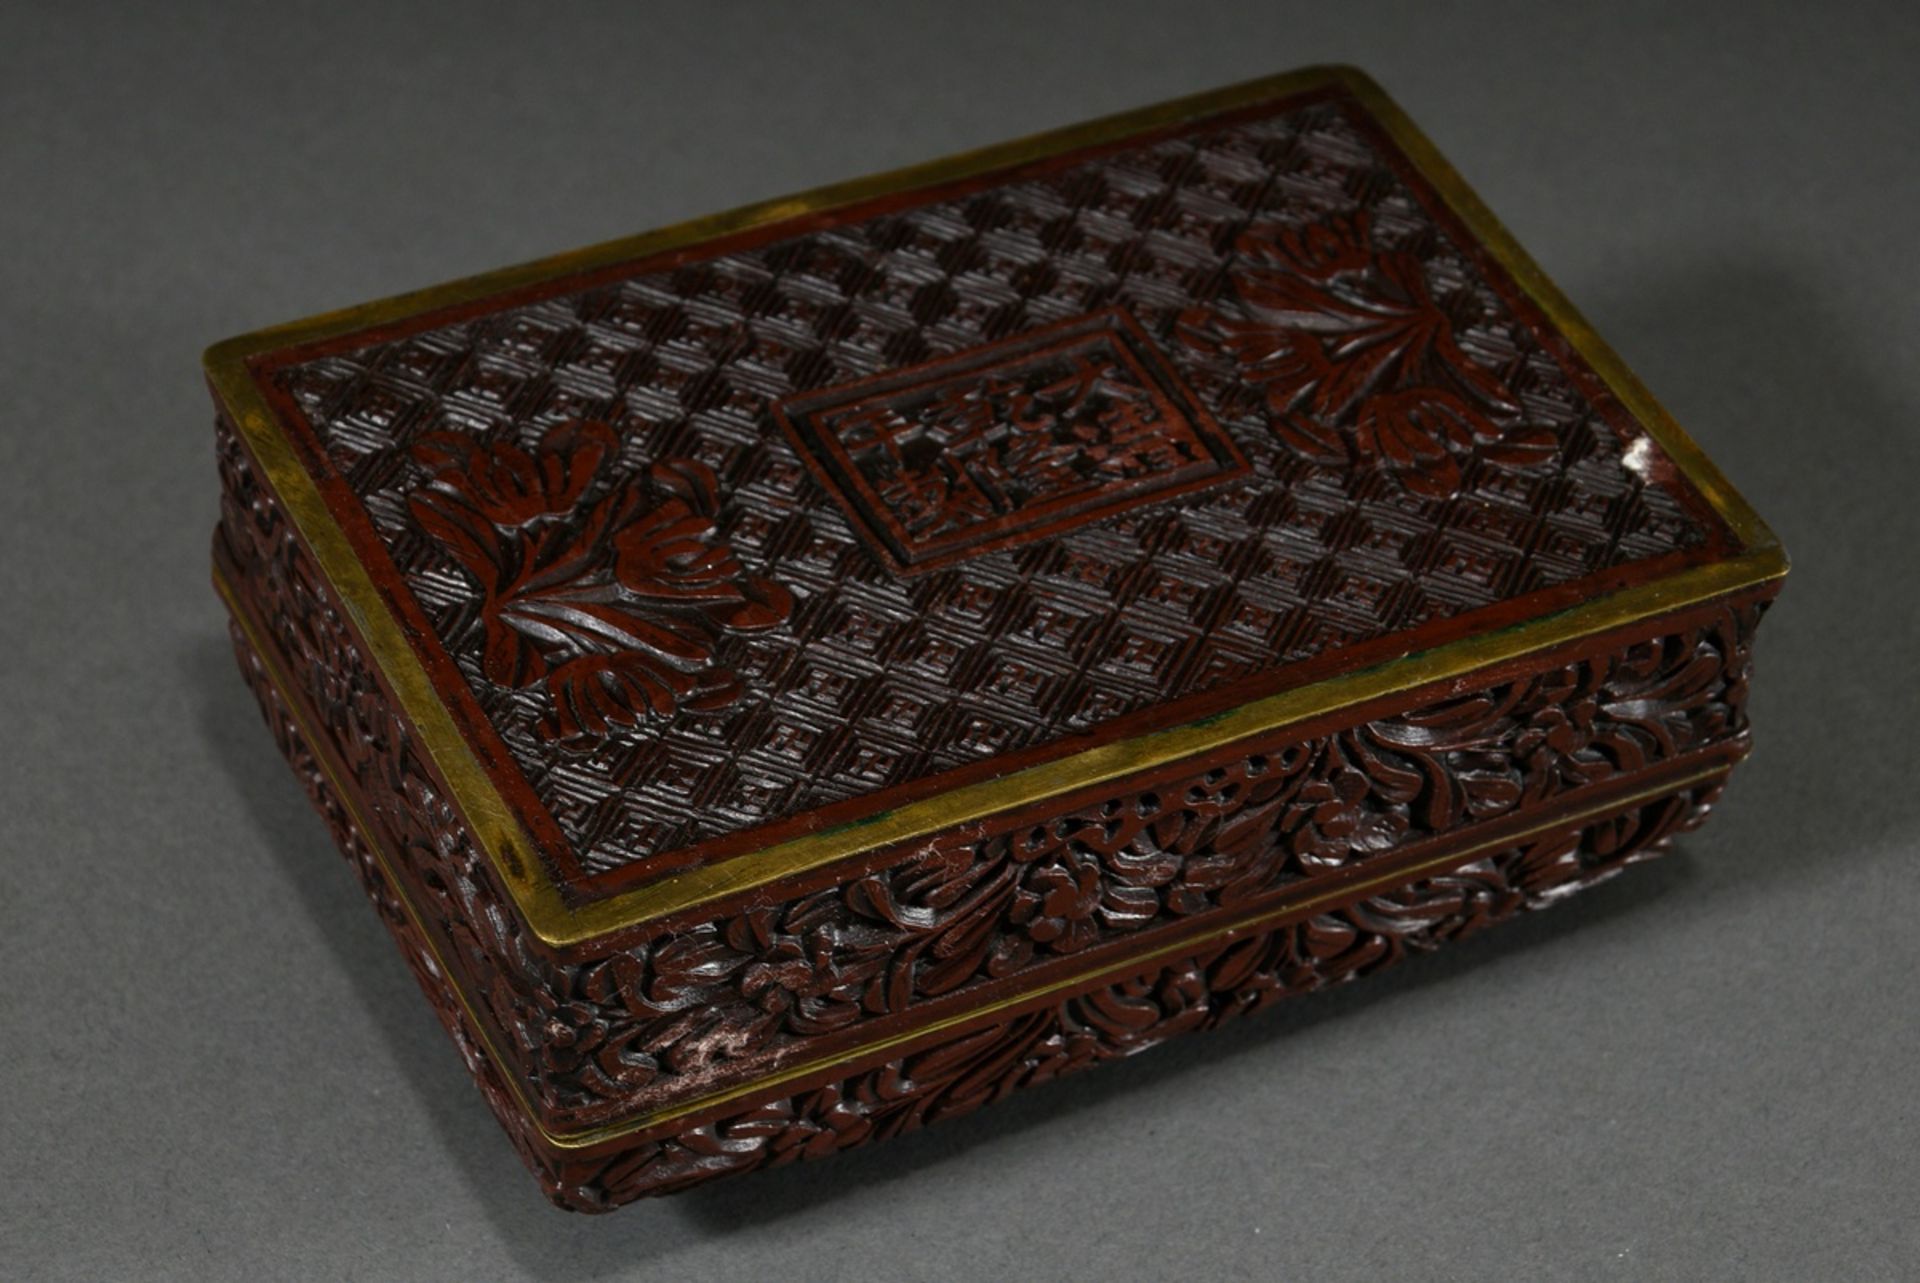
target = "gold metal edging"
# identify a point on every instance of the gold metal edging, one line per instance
(501, 834)
(1254, 920)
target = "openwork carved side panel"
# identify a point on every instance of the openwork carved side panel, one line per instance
(719, 999)
(1114, 1021)
(1124, 432)
(985, 1063)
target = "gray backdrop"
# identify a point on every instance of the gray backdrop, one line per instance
(211, 1061)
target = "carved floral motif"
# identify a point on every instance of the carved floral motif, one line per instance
(977, 450)
(979, 1066)
(1010, 440)
(589, 1040)
(615, 602)
(1113, 1021)
(716, 996)
(1243, 561)
(1357, 361)
(972, 910)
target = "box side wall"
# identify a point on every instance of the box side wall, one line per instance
(1370, 926)
(1199, 988)
(292, 617)
(908, 937)
(349, 831)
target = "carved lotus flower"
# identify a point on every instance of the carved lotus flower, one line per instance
(1321, 250)
(670, 555)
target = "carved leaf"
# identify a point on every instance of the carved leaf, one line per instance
(979, 908)
(590, 626)
(463, 532)
(1313, 439)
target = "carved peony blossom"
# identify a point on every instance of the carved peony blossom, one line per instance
(1058, 903)
(1070, 899)
(1330, 822)
(616, 603)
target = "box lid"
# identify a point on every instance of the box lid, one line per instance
(711, 557)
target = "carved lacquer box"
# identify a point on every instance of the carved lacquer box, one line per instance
(812, 671)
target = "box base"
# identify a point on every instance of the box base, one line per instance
(1345, 932)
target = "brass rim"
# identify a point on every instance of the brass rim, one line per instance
(502, 836)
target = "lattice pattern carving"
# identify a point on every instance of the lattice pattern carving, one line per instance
(1489, 475)
(721, 998)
